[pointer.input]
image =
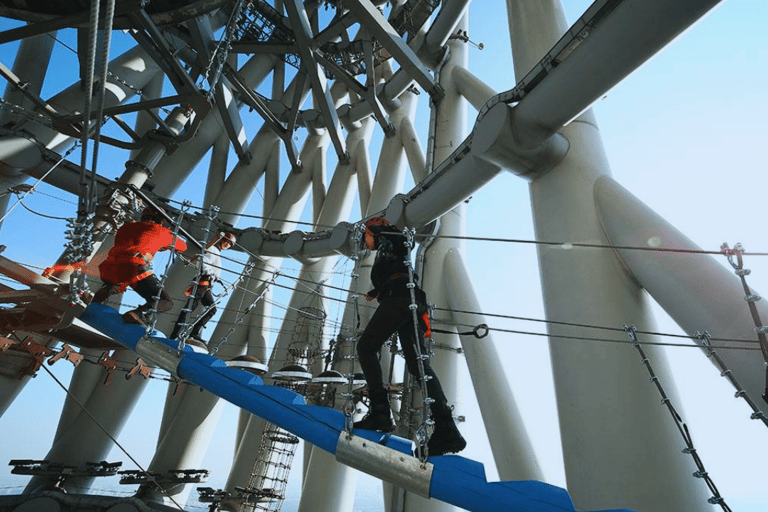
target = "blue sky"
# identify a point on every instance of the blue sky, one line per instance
(683, 133)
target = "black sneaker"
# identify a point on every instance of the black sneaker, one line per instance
(447, 440)
(376, 420)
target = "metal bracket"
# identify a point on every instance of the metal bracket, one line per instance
(141, 368)
(67, 353)
(395, 467)
(110, 365)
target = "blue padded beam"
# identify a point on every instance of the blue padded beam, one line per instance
(454, 479)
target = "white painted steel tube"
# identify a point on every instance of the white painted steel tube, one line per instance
(334, 492)
(187, 420)
(413, 150)
(606, 406)
(474, 90)
(619, 44)
(698, 293)
(448, 17)
(450, 130)
(512, 449)
(337, 206)
(30, 65)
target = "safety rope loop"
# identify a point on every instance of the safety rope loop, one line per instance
(219, 57)
(77, 251)
(185, 206)
(422, 433)
(716, 499)
(241, 317)
(186, 326)
(706, 341)
(751, 299)
(349, 402)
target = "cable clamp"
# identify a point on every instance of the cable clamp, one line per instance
(141, 368)
(758, 415)
(109, 364)
(631, 331)
(752, 298)
(480, 331)
(715, 500)
(761, 329)
(67, 353)
(700, 474)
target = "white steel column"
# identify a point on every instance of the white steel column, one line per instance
(512, 450)
(695, 290)
(336, 207)
(30, 64)
(329, 485)
(181, 162)
(450, 129)
(620, 447)
(189, 421)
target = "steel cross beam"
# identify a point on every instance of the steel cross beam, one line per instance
(389, 38)
(303, 33)
(202, 36)
(256, 102)
(366, 92)
(151, 39)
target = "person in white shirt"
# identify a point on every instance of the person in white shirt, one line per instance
(210, 270)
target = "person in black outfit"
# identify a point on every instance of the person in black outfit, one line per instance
(390, 279)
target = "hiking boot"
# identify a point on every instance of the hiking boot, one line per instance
(133, 317)
(446, 439)
(378, 419)
(197, 342)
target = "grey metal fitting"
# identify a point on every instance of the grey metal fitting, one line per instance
(385, 463)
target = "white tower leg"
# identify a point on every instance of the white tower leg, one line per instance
(683, 284)
(450, 131)
(605, 403)
(511, 446)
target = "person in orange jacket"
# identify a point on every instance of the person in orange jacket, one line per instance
(129, 263)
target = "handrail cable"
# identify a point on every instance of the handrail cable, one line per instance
(716, 499)
(112, 438)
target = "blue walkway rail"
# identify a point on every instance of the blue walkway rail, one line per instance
(449, 478)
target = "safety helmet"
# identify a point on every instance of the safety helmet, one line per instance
(226, 237)
(376, 221)
(369, 237)
(152, 214)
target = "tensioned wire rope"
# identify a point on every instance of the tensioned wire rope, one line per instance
(565, 245)
(312, 285)
(562, 244)
(113, 439)
(512, 317)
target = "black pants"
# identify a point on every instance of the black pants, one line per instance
(148, 288)
(202, 296)
(394, 315)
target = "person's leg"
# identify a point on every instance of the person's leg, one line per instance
(382, 324)
(446, 438)
(107, 289)
(190, 305)
(151, 290)
(206, 299)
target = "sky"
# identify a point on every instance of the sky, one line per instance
(683, 133)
